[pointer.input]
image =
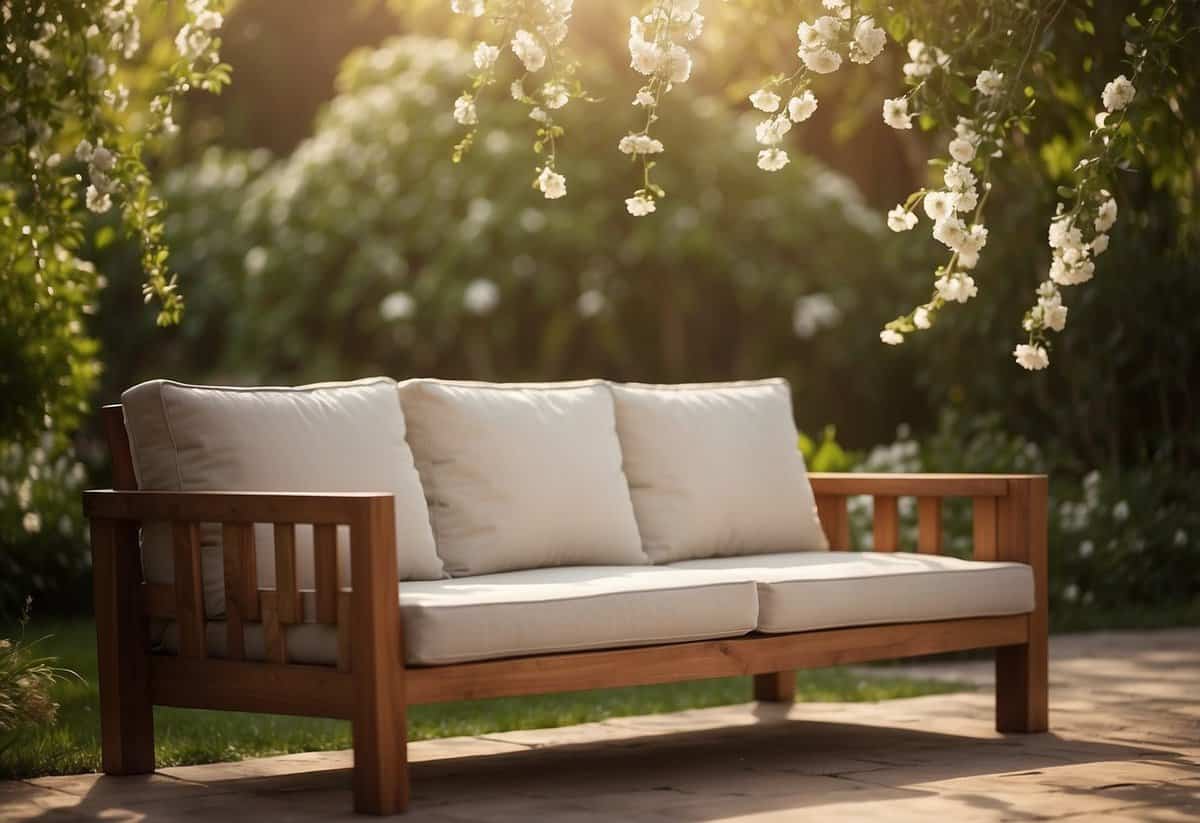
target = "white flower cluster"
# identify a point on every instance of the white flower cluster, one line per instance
(655, 53)
(536, 31)
(955, 210)
(101, 163)
(1076, 238)
(195, 39)
(822, 45)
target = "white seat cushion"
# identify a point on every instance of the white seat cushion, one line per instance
(715, 470)
(521, 475)
(802, 591)
(538, 611)
(330, 437)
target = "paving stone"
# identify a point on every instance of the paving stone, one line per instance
(1125, 746)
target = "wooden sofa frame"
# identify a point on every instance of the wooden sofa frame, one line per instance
(371, 686)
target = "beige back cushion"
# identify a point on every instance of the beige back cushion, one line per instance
(714, 470)
(330, 437)
(521, 476)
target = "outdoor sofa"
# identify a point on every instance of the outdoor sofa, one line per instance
(542, 537)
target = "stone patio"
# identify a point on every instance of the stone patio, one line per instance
(1125, 744)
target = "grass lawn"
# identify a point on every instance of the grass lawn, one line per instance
(187, 736)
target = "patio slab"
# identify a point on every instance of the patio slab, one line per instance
(1125, 744)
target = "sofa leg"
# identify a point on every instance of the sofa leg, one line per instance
(1022, 688)
(775, 687)
(126, 714)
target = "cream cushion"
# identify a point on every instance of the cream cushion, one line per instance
(330, 437)
(538, 611)
(714, 470)
(521, 476)
(802, 591)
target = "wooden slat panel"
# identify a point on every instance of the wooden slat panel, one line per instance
(274, 636)
(313, 691)
(237, 541)
(343, 632)
(984, 528)
(835, 520)
(775, 687)
(158, 600)
(887, 523)
(913, 485)
(712, 658)
(228, 507)
(189, 589)
(287, 596)
(326, 565)
(929, 525)
(115, 434)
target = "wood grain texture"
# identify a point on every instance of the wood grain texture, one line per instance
(929, 525)
(985, 528)
(288, 596)
(126, 714)
(755, 654)
(379, 721)
(325, 565)
(775, 687)
(344, 626)
(886, 523)
(226, 507)
(233, 537)
(915, 485)
(1022, 672)
(835, 520)
(189, 589)
(228, 685)
(274, 630)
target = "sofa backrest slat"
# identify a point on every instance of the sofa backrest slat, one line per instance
(985, 523)
(274, 631)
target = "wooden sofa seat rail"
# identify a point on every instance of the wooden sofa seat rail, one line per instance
(371, 686)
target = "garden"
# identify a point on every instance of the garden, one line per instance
(271, 193)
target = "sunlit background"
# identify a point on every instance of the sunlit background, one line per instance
(322, 232)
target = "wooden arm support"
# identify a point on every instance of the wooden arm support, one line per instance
(1009, 522)
(366, 612)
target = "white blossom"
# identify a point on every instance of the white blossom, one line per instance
(772, 159)
(481, 296)
(528, 50)
(813, 312)
(921, 318)
(643, 98)
(891, 337)
(1032, 357)
(555, 95)
(640, 205)
(962, 150)
(31, 522)
(770, 132)
(97, 201)
(464, 110)
(552, 184)
(590, 303)
(485, 56)
(820, 60)
(939, 205)
(923, 59)
(1099, 244)
(801, 108)
(1106, 216)
(956, 287)
(989, 83)
(958, 177)
(765, 100)
(471, 8)
(868, 42)
(639, 144)
(397, 306)
(1118, 93)
(901, 219)
(84, 151)
(895, 113)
